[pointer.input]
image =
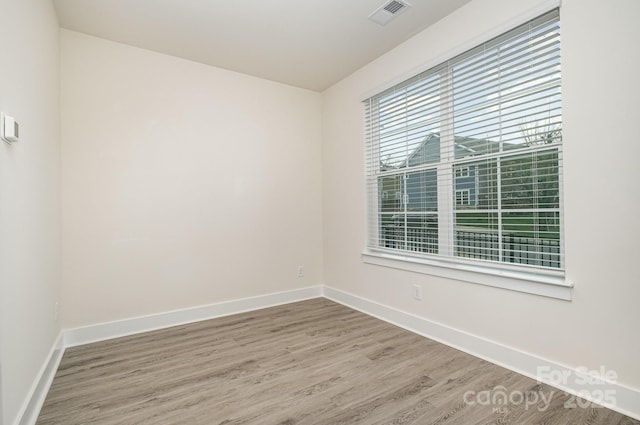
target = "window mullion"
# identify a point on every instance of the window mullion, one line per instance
(405, 201)
(499, 201)
(446, 196)
(498, 165)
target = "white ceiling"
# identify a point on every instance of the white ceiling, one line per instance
(305, 43)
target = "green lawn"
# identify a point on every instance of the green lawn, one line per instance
(520, 224)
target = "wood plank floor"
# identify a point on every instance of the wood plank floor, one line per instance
(311, 362)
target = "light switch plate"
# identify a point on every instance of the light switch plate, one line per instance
(9, 129)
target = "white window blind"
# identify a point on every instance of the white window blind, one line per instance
(472, 152)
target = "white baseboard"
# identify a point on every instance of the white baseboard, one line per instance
(28, 414)
(30, 410)
(103, 331)
(627, 400)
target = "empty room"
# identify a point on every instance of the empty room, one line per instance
(319, 212)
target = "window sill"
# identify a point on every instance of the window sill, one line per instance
(553, 286)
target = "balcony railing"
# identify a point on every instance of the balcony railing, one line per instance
(476, 244)
(417, 239)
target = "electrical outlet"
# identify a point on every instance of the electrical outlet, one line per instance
(300, 271)
(56, 311)
(417, 292)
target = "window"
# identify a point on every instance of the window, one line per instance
(473, 147)
(462, 172)
(462, 197)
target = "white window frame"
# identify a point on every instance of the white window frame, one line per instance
(462, 172)
(465, 198)
(552, 283)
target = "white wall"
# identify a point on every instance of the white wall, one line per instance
(183, 184)
(29, 197)
(601, 104)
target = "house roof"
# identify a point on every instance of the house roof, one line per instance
(428, 150)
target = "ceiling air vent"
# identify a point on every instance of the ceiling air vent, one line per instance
(385, 13)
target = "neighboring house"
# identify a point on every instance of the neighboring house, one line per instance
(527, 183)
(421, 186)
